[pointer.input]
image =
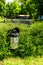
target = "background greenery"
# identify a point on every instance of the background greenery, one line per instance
(28, 7)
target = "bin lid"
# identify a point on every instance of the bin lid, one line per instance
(13, 32)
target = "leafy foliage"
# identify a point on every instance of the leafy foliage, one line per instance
(30, 40)
(12, 9)
(30, 7)
(2, 8)
(4, 38)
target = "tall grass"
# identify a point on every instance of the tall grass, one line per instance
(25, 61)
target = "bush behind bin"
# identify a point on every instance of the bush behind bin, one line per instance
(30, 41)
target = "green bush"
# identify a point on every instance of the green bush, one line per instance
(4, 38)
(30, 40)
(36, 37)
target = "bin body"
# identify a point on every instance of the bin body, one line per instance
(14, 42)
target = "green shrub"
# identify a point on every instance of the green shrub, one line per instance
(4, 39)
(36, 37)
(30, 40)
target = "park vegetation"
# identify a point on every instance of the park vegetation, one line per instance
(28, 7)
(30, 46)
(25, 61)
(30, 40)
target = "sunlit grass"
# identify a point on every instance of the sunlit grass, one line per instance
(23, 61)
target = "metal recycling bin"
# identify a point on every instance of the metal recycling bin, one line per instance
(14, 38)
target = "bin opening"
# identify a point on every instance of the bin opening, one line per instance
(13, 32)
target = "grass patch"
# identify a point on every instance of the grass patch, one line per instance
(23, 61)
